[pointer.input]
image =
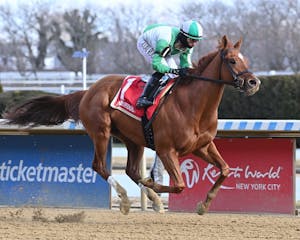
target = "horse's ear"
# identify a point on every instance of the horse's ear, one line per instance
(224, 42)
(238, 44)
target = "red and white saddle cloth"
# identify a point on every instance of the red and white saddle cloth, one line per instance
(127, 96)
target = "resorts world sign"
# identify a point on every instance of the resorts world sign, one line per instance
(261, 178)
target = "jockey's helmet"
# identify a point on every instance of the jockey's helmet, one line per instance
(191, 29)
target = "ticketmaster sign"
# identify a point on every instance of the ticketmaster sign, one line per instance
(51, 170)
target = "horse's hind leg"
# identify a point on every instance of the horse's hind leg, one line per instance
(99, 165)
(135, 154)
(211, 155)
(98, 126)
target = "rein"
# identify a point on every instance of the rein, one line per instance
(220, 81)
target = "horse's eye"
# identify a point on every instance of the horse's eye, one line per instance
(232, 61)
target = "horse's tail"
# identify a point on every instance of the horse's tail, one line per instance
(46, 110)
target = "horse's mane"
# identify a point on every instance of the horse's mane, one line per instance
(204, 61)
(200, 67)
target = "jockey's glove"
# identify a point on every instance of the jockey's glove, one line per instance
(181, 71)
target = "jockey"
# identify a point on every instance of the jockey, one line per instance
(158, 44)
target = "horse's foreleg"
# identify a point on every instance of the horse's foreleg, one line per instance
(134, 157)
(135, 154)
(152, 196)
(171, 164)
(211, 155)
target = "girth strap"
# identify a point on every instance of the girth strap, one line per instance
(148, 133)
(147, 123)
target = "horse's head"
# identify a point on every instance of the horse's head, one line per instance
(234, 67)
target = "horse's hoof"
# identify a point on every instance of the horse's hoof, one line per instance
(158, 207)
(125, 203)
(201, 209)
(156, 202)
(125, 206)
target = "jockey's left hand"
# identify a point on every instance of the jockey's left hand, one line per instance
(181, 71)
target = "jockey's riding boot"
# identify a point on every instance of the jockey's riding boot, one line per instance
(148, 92)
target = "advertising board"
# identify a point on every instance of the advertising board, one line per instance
(51, 170)
(261, 177)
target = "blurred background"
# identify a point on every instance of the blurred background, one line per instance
(39, 38)
(42, 35)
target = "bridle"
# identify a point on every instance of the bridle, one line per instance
(237, 81)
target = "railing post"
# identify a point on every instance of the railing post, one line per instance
(84, 69)
(143, 174)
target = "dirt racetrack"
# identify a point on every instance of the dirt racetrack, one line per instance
(90, 224)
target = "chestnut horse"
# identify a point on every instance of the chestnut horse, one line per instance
(186, 122)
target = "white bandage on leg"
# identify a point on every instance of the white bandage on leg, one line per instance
(143, 188)
(112, 182)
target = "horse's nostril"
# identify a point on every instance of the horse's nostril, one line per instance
(253, 82)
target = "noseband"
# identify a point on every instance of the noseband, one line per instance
(237, 81)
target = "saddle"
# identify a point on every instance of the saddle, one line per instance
(127, 96)
(131, 88)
